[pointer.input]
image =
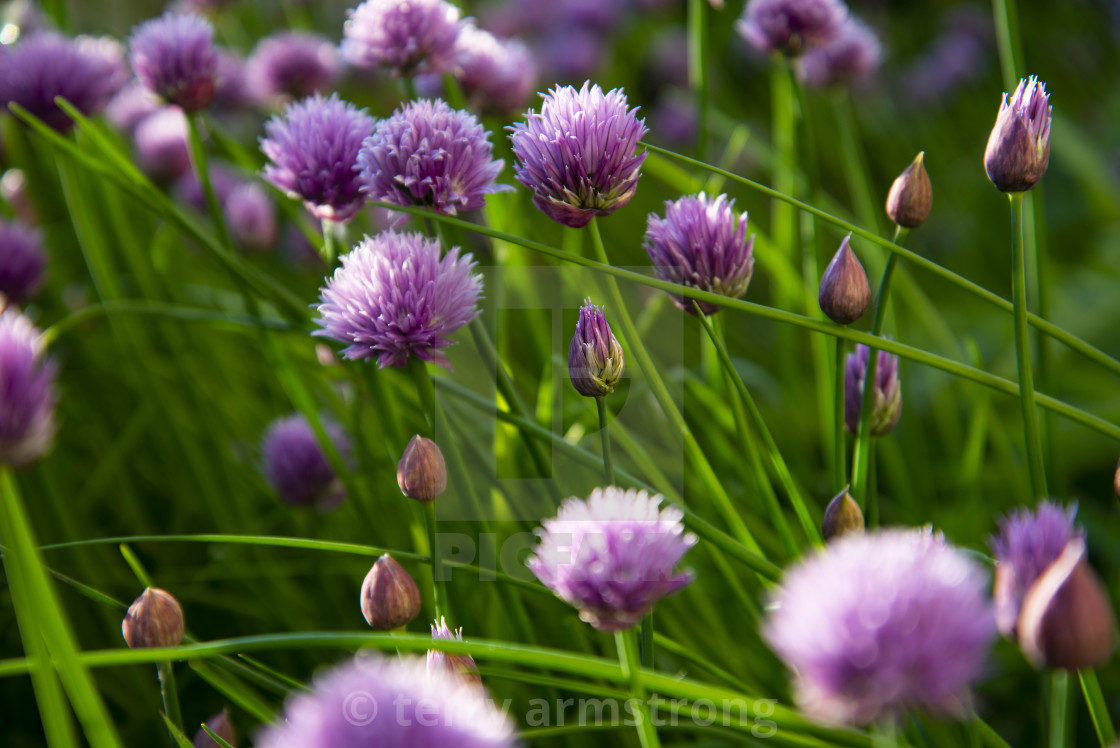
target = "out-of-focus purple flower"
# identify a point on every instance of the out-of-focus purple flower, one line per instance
(85, 71)
(612, 556)
(130, 105)
(295, 465)
(174, 56)
(394, 297)
(959, 55)
(251, 217)
(879, 623)
(313, 149)
(595, 359)
(291, 65)
(375, 700)
(232, 89)
(570, 53)
(189, 190)
(855, 53)
(458, 666)
(1019, 147)
(886, 407)
(578, 155)
(673, 119)
(406, 36)
(428, 154)
(701, 243)
(665, 62)
(497, 75)
(221, 726)
(791, 26)
(27, 396)
(22, 262)
(161, 146)
(22, 18)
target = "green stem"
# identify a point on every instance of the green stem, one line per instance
(1098, 708)
(1023, 350)
(330, 247)
(698, 15)
(198, 156)
(839, 477)
(425, 392)
(631, 670)
(608, 466)
(647, 640)
(439, 586)
(1059, 708)
(169, 693)
(1007, 38)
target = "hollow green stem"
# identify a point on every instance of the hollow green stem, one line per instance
(647, 640)
(201, 165)
(422, 379)
(1098, 707)
(608, 466)
(698, 15)
(439, 585)
(626, 642)
(330, 246)
(1023, 350)
(169, 693)
(1059, 708)
(839, 477)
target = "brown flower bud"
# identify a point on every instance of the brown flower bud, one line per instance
(153, 620)
(422, 473)
(841, 516)
(844, 292)
(1066, 619)
(390, 597)
(911, 195)
(220, 725)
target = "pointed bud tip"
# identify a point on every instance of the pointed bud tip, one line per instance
(422, 472)
(842, 516)
(844, 291)
(911, 195)
(155, 619)
(390, 597)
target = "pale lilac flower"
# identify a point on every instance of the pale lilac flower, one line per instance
(886, 406)
(1019, 147)
(232, 88)
(404, 35)
(175, 58)
(880, 623)
(791, 26)
(701, 243)
(27, 396)
(291, 66)
(130, 106)
(251, 217)
(497, 75)
(613, 556)
(595, 358)
(855, 53)
(578, 155)
(22, 262)
(461, 666)
(394, 297)
(313, 149)
(161, 145)
(428, 154)
(375, 700)
(295, 465)
(85, 71)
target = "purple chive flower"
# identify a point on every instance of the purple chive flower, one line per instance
(701, 243)
(879, 623)
(313, 148)
(578, 155)
(232, 88)
(428, 154)
(404, 35)
(1019, 147)
(460, 666)
(22, 262)
(188, 189)
(595, 359)
(394, 297)
(886, 406)
(854, 54)
(174, 56)
(161, 144)
(1027, 544)
(295, 466)
(613, 556)
(85, 71)
(26, 391)
(497, 75)
(291, 65)
(130, 106)
(791, 26)
(375, 700)
(251, 217)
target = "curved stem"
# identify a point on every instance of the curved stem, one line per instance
(439, 585)
(608, 466)
(169, 693)
(631, 670)
(1098, 707)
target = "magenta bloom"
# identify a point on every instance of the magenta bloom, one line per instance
(295, 465)
(313, 149)
(404, 35)
(791, 26)
(84, 71)
(161, 145)
(595, 359)
(461, 666)
(251, 217)
(613, 556)
(578, 155)
(701, 243)
(1019, 147)
(886, 407)
(394, 297)
(876, 624)
(22, 262)
(27, 396)
(497, 75)
(428, 154)
(373, 700)
(291, 65)
(853, 54)
(175, 58)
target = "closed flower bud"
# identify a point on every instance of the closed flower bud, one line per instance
(841, 516)
(153, 620)
(390, 597)
(595, 359)
(911, 195)
(844, 292)
(1066, 620)
(220, 725)
(422, 473)
(886, 405)
(1018, 149)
